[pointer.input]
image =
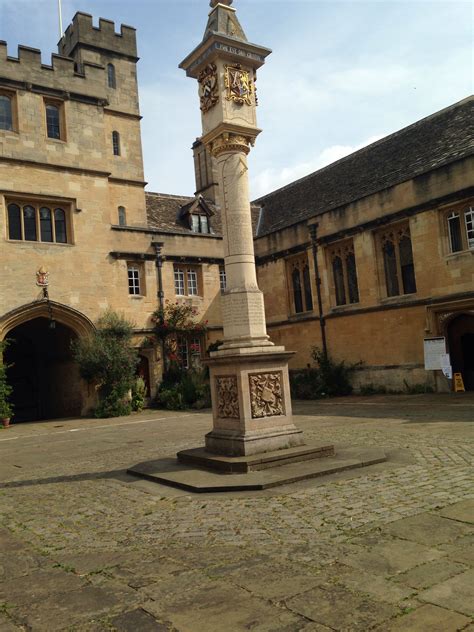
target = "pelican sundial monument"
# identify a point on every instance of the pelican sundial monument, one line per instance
(249, 375)
(251, 407)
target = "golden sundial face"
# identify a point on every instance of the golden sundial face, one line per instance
(238, 85)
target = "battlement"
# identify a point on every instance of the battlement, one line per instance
(63, 74)
(82, 33)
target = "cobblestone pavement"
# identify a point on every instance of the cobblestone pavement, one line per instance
(83, 546)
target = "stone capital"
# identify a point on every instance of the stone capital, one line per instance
(230, 142)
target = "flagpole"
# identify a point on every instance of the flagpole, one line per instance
(60, 19)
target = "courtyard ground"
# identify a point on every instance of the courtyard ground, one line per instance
(84, 546)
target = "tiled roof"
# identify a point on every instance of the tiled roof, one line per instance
(434, 141)
(164, 213)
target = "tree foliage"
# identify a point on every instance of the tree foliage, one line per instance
(108, 359)
(6, 408)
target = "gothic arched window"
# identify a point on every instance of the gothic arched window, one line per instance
(29, 223)
(14, 222)
(406, 265)
(111, 80)
(122, 216)
(390, 265)
(6, 112)
(60, 225)
(352, 284)
(398, 263)
(116, 143)
(46, 225)
(308, 296)
(297, 294)
(338, 274)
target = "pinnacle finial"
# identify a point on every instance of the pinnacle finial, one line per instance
(214, 3)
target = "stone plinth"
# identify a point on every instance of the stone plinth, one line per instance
(251, 403)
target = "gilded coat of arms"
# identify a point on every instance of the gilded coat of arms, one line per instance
(208, 92)
(238, 84)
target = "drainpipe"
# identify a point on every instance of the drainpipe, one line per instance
(159, 265)
(313, 233)
(157, 245)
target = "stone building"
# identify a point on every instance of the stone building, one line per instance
(393, 229)
(72, 203)
(394, 243)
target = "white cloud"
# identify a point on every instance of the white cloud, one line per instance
(273, 178)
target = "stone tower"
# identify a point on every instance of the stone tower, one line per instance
(249, 375)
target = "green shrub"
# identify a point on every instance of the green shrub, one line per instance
(6, 408)
(188, 389)
(327, 379)
(138, 394)
(108, 359)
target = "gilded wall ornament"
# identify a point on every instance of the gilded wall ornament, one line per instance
(266, 395)
(238, 85)
(227, 397)
(208, 87)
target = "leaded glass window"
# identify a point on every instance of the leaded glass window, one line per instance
(6, 112)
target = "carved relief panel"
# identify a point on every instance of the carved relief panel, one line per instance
(266, 395)
(227, 397)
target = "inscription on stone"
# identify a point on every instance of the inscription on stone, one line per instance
(266, 395)
(227, 397)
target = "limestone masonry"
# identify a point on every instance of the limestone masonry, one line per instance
(392, 236)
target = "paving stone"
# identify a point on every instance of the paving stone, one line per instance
(462, 511)
(427, 529)
(427, 619)
(55, 613)
(456, 593)
(38, 585)
(426, 575)
(286, 579)
(15, 564)
(358, 580)
(84, 563)
(6, 625)
(219, 607)
(392, 557)
(137, 621)
(340, 609)
(462, 550)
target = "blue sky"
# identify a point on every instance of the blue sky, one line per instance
(342, 74)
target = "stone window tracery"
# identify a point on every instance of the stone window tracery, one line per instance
(397, 253)
(37, 222)
(344, 273)
(299, 280)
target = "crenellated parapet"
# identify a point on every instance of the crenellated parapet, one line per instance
(26, 71)
(81, 33)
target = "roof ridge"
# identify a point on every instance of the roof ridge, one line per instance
(367, 147)
(170, 195)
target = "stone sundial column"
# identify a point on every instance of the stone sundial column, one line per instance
(249, 375)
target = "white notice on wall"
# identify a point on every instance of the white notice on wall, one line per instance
(435, 352)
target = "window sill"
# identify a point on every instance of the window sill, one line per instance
(44, 244)
(461, 254)
(387, 300)
(138, 297)
(344, 308)
(15, 132)
(301, 315)
(61, 141)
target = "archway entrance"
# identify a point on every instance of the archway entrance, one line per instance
(461, 348)
(44, 377)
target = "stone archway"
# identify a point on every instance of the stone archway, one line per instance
(460, 335)
(46, 382)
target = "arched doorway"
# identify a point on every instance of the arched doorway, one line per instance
(143, 371)
(45, 380)
(461, 347)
